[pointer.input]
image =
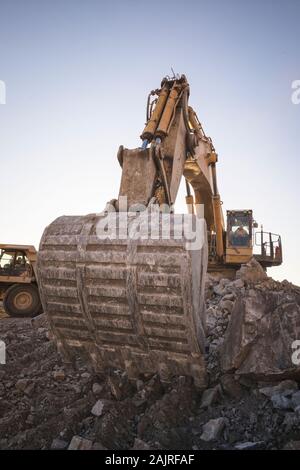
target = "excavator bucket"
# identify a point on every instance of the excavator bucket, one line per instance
(128, 302)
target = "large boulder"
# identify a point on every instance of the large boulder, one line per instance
(264, 325)
(251, 272)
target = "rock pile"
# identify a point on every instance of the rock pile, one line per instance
(252, 400)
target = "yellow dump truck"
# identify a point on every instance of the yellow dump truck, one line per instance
(18, 284)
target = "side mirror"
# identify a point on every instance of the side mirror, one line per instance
(255, 224)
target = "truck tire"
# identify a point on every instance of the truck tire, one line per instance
(22, 301)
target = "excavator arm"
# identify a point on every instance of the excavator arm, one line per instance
(174, 145)
(130, 302)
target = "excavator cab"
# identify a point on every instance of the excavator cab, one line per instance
(243, 242)
(239, 244)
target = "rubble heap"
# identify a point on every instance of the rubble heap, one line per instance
(252, 399)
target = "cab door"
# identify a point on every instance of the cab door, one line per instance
(239, 246)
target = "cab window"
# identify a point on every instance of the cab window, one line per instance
(239, 230)
(20, 259)
(6, 259)
(14, 263)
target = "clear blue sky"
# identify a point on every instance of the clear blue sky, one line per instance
(77, 76)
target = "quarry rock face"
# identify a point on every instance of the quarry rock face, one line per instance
(264, 324)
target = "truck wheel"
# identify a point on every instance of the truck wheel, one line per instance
(22, 301)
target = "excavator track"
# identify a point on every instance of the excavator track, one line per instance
(131, 304)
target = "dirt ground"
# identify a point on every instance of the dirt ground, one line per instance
(45, 403)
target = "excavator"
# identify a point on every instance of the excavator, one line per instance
(133, 299)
